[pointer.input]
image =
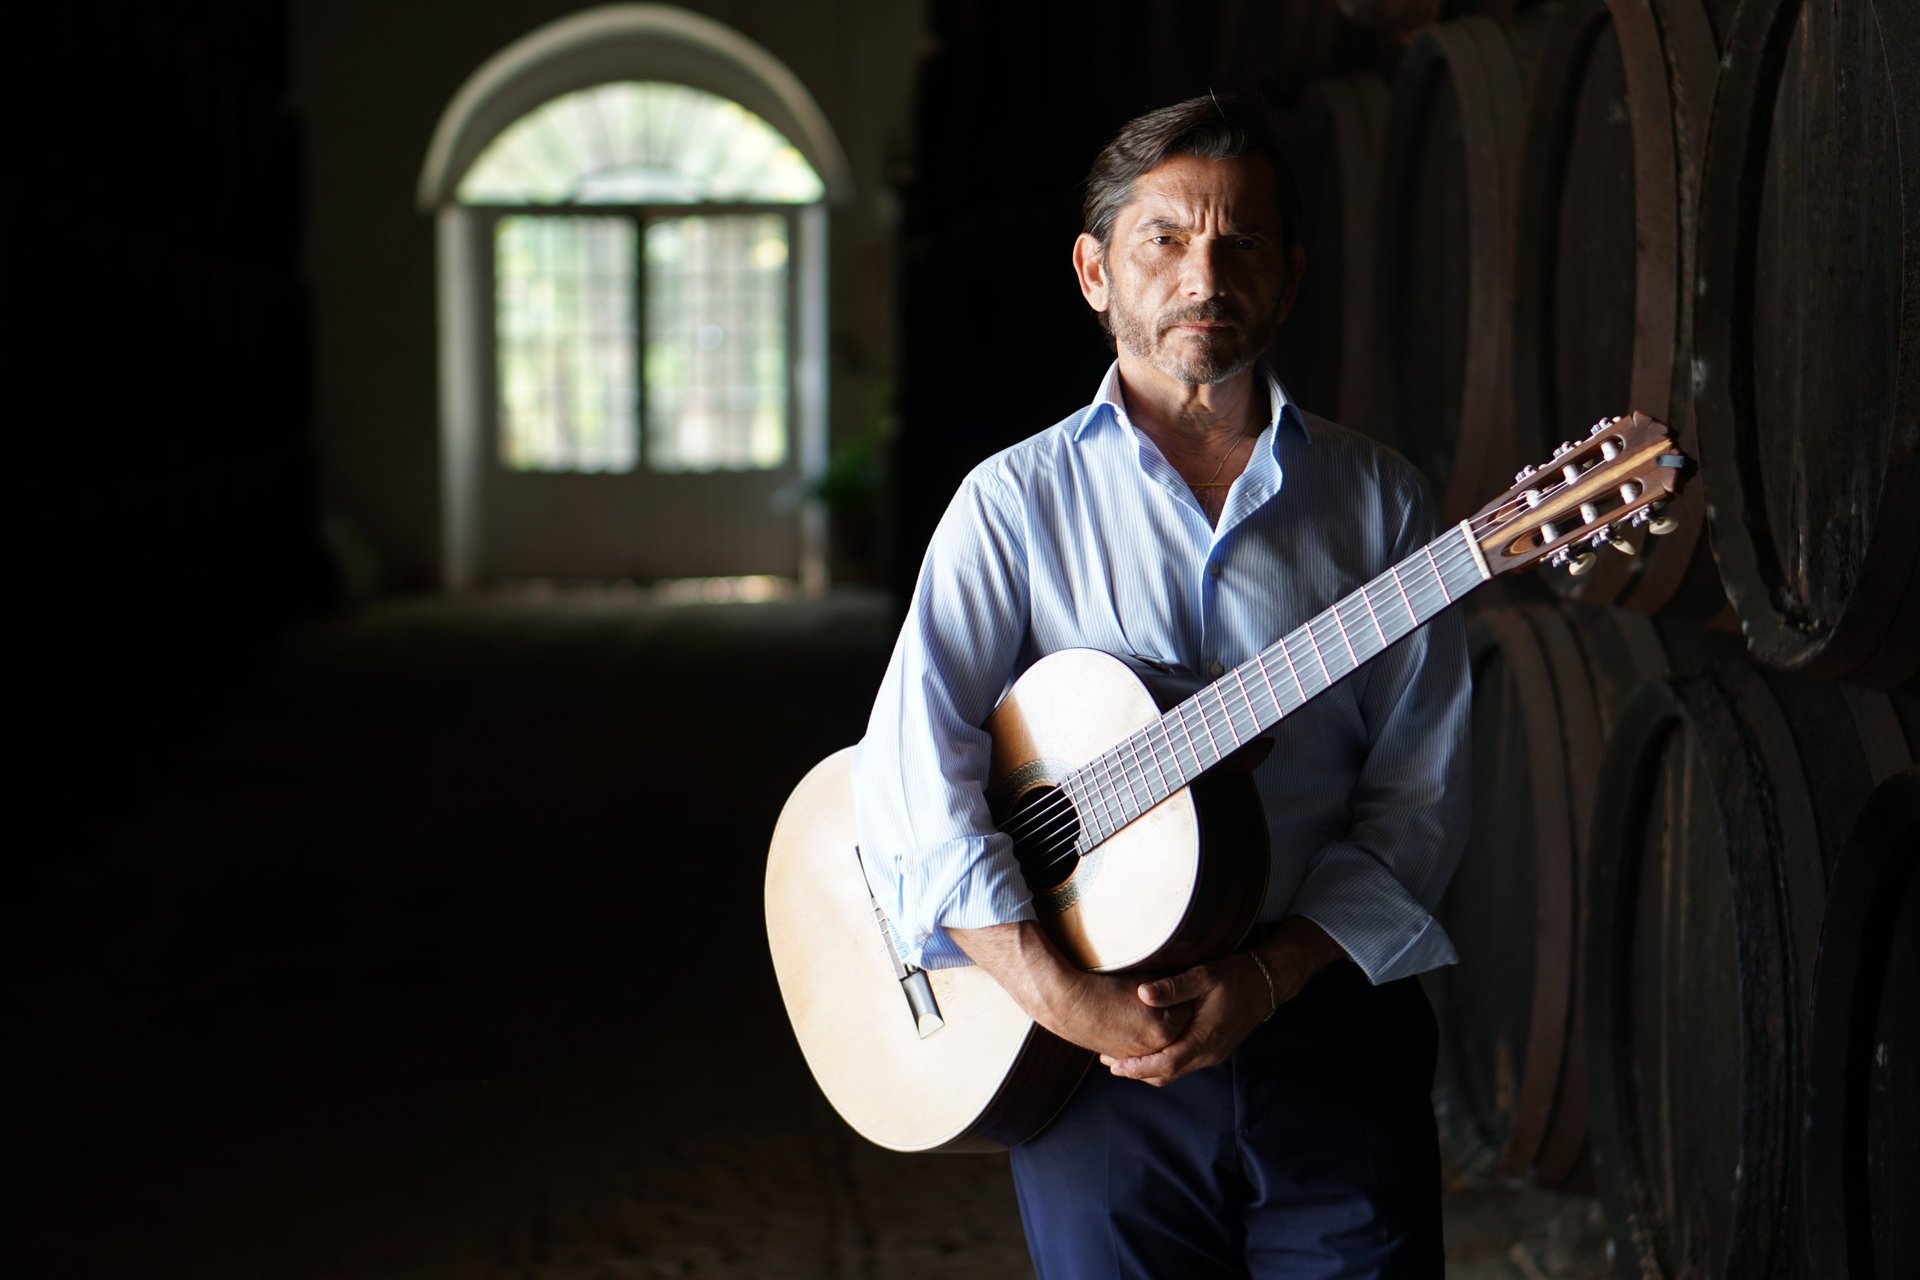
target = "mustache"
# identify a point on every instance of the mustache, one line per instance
(1212, 311)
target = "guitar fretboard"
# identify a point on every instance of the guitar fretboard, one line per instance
(1131, 777)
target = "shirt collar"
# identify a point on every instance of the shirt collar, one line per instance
(1110, 405)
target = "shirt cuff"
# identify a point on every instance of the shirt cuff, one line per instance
(1360, 904)
(986, 889)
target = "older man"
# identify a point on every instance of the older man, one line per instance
(1264, 1114)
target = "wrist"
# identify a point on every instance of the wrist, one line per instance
(1266, 976)
(1295, 951)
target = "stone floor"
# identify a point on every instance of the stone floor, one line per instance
(442, 957)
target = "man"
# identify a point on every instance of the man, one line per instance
(1265, 1114)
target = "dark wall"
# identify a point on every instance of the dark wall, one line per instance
(1011, 108)
(153, 248)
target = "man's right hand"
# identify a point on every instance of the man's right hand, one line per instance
(1093, 1010)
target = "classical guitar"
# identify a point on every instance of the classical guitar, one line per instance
(1117, 791)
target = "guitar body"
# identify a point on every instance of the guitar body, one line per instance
(1180, 884)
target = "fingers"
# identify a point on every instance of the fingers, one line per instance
(1152, 1068)
(1180, 988)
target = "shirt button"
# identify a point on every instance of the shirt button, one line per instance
(1214, 568)
(1217, 669)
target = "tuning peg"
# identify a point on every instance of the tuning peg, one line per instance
(1575, 564)
(1662, 524)
(1607, 536)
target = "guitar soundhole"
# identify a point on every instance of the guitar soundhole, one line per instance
(1045, 831)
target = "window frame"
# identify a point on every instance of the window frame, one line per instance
(485, 273)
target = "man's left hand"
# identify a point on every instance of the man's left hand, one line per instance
(1229, 997)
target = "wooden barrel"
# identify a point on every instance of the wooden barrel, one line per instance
(1807, 334)
(1324, 354)
(1707, 891)
(1609, 170)
(1863, 1074)
(1511, 1093)
(1441, 274)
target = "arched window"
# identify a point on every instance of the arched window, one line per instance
(633, 304)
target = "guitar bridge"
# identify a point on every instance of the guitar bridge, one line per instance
(926, 1010)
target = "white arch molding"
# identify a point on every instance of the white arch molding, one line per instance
(595, 46)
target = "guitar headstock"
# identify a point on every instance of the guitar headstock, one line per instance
(1589, 495)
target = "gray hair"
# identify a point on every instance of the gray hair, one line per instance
(1211, 127)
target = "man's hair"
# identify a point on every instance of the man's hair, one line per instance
(1212, 127)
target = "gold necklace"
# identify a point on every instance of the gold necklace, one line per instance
(1214, 481)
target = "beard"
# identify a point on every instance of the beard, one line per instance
(1198, 361)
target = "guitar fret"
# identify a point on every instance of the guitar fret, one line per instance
(1226, 709)
(1307, 691)
(1097, 809)
(1298, 688)
(1133, 755)
(1116, 813)
(1126, 774)
(1155, 784)
(1314, 640)
(1075, 791)
(1154, 755)
(1435, 566)
(1413, 618)
(1207, 729)
(1368, 601)
(1193, 748)
(1345, 639)
(1253, 712)
(1274, 698)
(1172, 755)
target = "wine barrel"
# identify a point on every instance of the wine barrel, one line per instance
(1442, 267)
(1609, 167)
(1807, 334)
(1324, 353)
(1511, 1088)
(1706, 895)
(1863, 1074)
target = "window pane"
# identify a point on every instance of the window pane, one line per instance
(717, 343)
(641, 142)
(565, 325)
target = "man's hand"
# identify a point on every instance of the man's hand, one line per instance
(1227, 999)
(1095, 1011)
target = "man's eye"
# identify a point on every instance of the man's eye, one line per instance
(1161, 240)
(1246, 242)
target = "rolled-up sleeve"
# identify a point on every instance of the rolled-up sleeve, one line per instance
(932, 855)
(1376, 890)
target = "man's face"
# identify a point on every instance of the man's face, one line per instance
(1196, 275)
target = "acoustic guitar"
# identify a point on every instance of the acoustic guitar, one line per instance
(1133, 817)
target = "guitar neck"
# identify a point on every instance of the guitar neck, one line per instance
(1120, 784)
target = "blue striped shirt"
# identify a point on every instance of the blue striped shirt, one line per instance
(1085, 536)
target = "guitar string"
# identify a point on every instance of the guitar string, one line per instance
(1109, 782)
(1110, 768)
(1057, 811)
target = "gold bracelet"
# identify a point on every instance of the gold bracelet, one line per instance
(1273, 998)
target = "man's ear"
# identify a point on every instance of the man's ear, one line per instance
(1090, 268)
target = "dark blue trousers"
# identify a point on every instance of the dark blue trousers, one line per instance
(1309, 1154)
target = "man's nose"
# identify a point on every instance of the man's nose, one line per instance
(1201, 274)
